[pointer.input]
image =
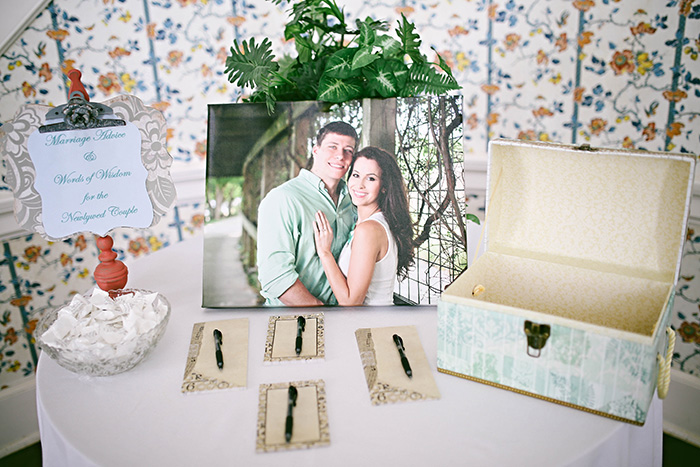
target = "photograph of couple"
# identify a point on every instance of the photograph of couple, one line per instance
(310, 206)
(325, 241)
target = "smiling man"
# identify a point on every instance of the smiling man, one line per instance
(289, 270)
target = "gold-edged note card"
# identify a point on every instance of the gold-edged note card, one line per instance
(291, 333)
(388, 356)
(218, 356)
(292, 416)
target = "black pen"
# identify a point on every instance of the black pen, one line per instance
(404, 361)
(301, 325)
(218, 339)
(289, 423)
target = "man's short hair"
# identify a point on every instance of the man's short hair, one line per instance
(340, 128)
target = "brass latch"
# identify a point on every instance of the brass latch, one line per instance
(537, 335)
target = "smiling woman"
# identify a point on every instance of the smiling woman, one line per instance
(380, 246)
(287, 165)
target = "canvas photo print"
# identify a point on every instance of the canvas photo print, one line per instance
(351, 204)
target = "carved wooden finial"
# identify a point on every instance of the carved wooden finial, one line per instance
(77, 85)
(110, 274)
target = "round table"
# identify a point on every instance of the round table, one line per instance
(141, 417)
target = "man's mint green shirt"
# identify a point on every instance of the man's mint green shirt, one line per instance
(286, 248)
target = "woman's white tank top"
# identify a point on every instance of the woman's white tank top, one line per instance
(381, 287)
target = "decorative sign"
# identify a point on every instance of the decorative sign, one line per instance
(83, 180)
(91, 167)
(90, 180)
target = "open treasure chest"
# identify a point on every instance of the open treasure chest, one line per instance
(571, 300)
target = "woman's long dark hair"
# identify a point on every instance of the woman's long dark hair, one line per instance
(393, 202)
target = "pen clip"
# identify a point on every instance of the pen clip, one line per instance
(402, 354)
(299, 342)
(398, 341)
(301, 325)
(292, 394)
(218, 340)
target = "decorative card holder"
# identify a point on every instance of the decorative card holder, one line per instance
(387, 367)
(287, 334)
(292, 416)
(86, 167)
(217, 360)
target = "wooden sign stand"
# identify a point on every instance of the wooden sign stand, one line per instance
(111, 274)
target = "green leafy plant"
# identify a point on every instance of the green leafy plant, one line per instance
(336, 63)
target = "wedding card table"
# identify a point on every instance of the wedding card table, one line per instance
(141, 417)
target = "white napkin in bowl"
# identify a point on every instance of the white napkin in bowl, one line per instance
(99, 326)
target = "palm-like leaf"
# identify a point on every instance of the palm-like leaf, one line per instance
(253, 66)
(443, 64)
(410, 40)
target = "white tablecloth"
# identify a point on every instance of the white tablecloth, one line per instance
(141, 418)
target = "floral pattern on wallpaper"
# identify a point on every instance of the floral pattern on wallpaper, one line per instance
(686, 319)
(614, 73)
(589, 72)
(36, 275)
(170, 54)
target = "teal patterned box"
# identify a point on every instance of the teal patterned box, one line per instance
(571, 300)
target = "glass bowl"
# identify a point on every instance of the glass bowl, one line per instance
(91, 362)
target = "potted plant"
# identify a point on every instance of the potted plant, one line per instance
(336, 62)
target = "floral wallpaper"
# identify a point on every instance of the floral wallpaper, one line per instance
(612, 73)
(36, 275)
(686, 319)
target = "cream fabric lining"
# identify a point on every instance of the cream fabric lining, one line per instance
(626, 210)
(601, 298)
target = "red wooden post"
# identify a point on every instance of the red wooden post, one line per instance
(76, 85)
(110, 274)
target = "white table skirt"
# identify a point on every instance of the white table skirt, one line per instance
(141, 418)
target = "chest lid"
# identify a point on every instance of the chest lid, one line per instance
(611, 210)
